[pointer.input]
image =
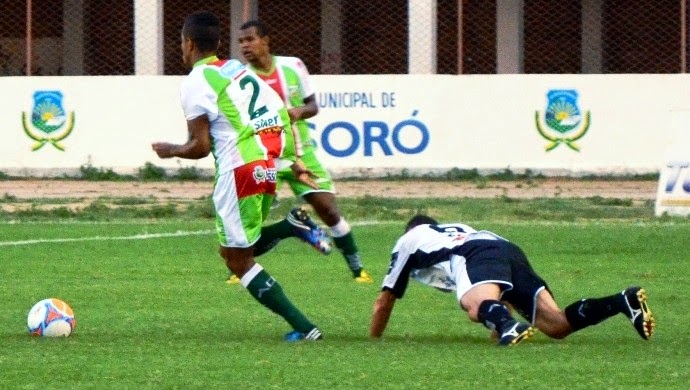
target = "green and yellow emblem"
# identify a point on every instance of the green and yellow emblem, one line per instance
(564, 122)
(49, 121)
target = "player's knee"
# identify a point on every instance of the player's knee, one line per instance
(473, 315)
(237, 260)
(472, 310)
(328, 213)
(324, 205)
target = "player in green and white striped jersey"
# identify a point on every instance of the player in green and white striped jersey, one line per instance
(289, 77)
(235, 115)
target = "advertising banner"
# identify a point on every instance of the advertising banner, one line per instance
(673, 193)
(367, 124)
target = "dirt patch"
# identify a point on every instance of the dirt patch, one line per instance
(87, 190)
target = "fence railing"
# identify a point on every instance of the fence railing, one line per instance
(101, 37)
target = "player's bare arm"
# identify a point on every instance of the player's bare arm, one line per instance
(197, 146)
(383, 307)
(303, 174)
(308, 110)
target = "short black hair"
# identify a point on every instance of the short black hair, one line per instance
(420, 219)
(203, 28)
(262, 29)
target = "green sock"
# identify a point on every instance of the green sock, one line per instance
(268, 292)
(271, 236)
(346, 245)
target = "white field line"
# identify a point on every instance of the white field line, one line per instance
(180, 233)
(142, 236)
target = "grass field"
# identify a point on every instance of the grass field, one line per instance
(153, 310)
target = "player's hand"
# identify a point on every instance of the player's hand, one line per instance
(295, 113)
(163, 149)
(304, 175)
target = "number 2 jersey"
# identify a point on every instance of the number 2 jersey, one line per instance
(289, 77)
(249, 121)
(425, 252)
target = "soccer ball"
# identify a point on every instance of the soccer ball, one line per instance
(51, 318)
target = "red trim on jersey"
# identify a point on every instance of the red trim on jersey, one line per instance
(240, 75)
(258, 177)
(218, 63)
(273, 80)
(273, 143)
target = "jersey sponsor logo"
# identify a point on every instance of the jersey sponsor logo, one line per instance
(262, 124)
(564, 122)
(49, 121)
(232, 69)
(262, 174)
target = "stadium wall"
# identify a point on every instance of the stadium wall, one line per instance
(368, 125)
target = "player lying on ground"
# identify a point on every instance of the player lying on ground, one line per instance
(485, 269)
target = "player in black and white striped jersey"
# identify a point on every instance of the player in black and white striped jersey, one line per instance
(486, 270)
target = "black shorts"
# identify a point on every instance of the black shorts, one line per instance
(504, 263)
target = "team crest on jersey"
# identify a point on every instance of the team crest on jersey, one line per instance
(293, 91)
(563, 122)
(49, 122)
(261, 175)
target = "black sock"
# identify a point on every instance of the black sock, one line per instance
(591, 311)
(271, 236)
(494, 315)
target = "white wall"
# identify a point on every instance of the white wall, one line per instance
(474, 121)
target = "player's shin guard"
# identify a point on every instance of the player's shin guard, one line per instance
(494, 315)
(269, 293)
(591, 311)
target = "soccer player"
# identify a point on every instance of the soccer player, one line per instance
(486, 270)
(235, 115)
(289, 77)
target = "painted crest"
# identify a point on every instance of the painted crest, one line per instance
(564, 122)
(49, 122)
(259, 174)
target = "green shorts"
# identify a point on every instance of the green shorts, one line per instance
(323, 178)
(242, 199)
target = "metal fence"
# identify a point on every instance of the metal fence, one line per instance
(103, 37)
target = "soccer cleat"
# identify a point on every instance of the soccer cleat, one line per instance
(516, 332)
(306, 230)
(638, 312)
(364, 277)
(233, 279)
(294, 336)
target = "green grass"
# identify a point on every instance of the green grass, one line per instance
(156, 313)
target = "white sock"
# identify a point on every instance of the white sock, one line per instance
(341, 228)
